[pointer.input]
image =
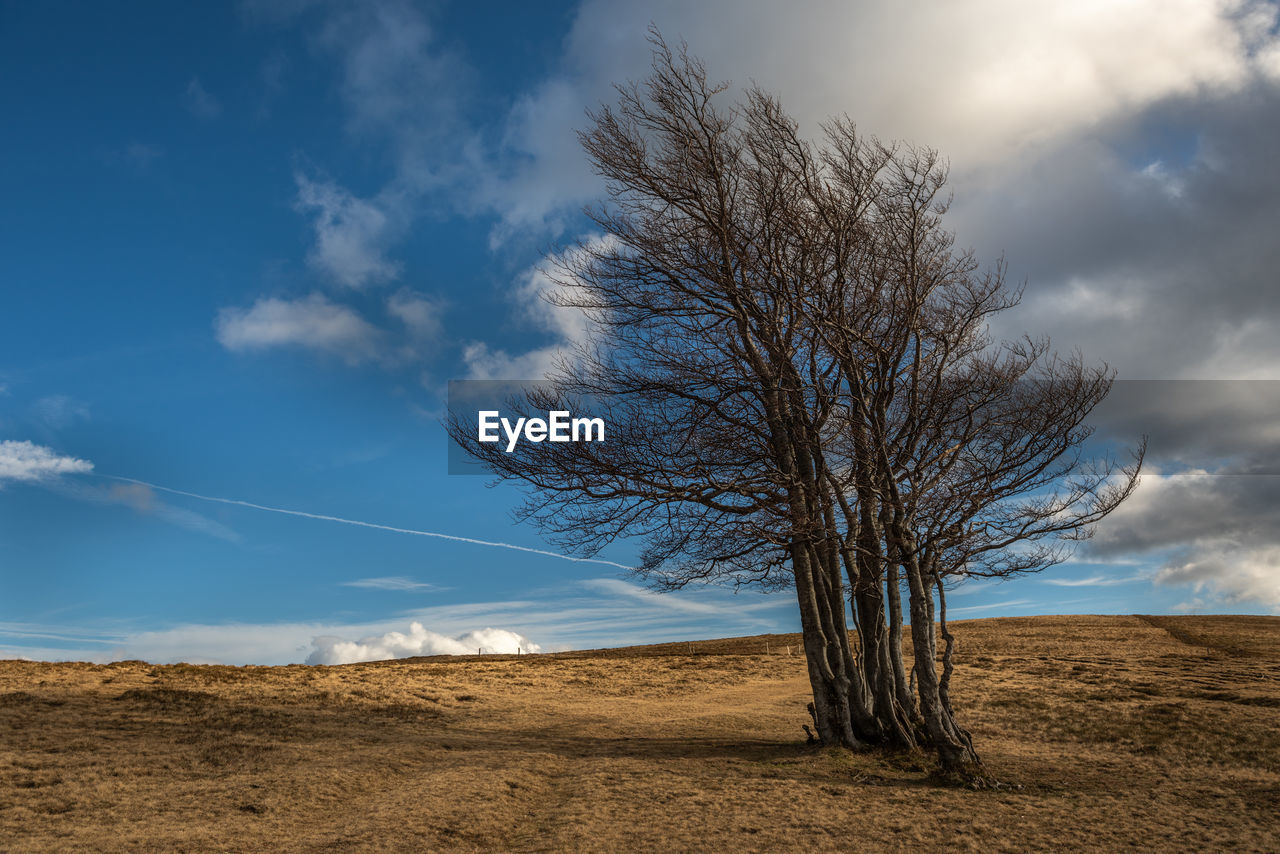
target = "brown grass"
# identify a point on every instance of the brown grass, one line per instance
(1110, 733)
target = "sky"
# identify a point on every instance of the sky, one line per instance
(244, 247)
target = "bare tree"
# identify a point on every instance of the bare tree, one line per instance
(800, 391)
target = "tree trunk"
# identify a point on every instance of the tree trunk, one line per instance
(827, 678)
(901, 686)
(953, 754)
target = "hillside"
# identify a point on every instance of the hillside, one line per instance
(1110, 732)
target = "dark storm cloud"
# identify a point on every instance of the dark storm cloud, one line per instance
(1152, 246)
(1229, 426)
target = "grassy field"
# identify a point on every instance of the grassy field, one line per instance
(1108, 733)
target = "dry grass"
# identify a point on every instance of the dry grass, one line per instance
(1112, 733)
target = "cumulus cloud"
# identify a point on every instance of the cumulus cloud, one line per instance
(351, 234)
(312, 322)
(418, 641)
(26, 461)
(29, 462)
(408, 333)
(1114, 261)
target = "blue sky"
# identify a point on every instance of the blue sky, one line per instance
(244, 247)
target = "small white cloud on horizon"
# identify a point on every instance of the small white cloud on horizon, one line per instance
(312, 322)
(27, 461)
(329, 649)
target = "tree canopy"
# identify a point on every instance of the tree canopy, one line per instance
(794, 363)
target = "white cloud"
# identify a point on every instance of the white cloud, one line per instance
(419, 319)
(317, 323)
(1052, 115)
(983, 80)
(1045, 109)
(26, 461)
(199, 102)
(312, 322)
(1095, 581)
(351, 234)
(401, 89)
(1214, 532)
(397, 81)
(485, 363)
(532, 304)
(419, 314)
(393, 582)
(1230, 571)
(31, 463)
(652, 598)
(418, 641)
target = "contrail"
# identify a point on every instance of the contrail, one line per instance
(360, 524)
